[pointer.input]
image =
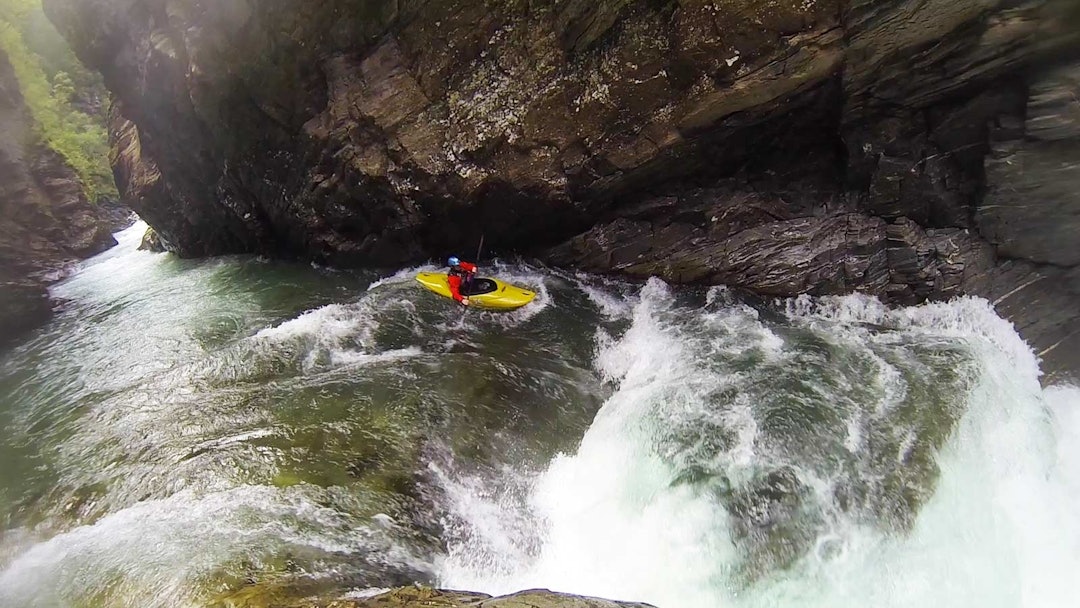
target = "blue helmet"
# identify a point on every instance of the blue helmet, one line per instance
(453, 261)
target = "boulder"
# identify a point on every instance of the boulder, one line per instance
(151, 242)
(418, 597)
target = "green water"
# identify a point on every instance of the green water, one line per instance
(164, 378)
(238, 432)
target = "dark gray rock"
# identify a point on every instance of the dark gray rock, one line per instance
(381, 132)
(911, 222)
(1032, 205)
(46, 220)
(1041, 302)
(151, 242)
(839, 144)
(1031, 214)
(24, 304)
(115, 215)
(421, 597)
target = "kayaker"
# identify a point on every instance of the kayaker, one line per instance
(459, 272)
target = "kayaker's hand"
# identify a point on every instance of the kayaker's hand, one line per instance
(464, 301)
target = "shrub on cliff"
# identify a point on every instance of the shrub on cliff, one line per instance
(78, 137)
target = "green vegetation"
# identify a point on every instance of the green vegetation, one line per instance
(53, 82)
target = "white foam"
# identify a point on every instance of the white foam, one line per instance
(224, 442)
(1000, 529)
(360, 359)
(131, 237)
(332, 322)
(527, 278)
(741, 418)
(111, 272)
(404, 276)
(965, 318)
(608, 296)
(155, 552)
(609, 505)
(329, 334)
(341, 334)
(363, 594)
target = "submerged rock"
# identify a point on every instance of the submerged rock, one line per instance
(785, 147)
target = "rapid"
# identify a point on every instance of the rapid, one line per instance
(209, 433)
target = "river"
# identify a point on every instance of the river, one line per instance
(204, 433)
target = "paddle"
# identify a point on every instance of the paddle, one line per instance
(476, 261)
(479, 249)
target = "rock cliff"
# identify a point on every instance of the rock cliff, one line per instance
(910, 149)
(47, 221)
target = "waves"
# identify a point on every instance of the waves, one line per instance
(153, 553)
(190, 431)
(866, 457)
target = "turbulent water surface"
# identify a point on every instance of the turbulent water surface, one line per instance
(200, 433)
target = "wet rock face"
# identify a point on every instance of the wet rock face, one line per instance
(46, 220)
(1031, 214)
(25, 304)
(382, 132)
(820, 146)
(1033, 173)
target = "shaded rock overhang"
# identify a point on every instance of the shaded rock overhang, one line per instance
(790, 147)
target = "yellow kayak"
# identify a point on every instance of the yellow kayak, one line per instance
(491, 294)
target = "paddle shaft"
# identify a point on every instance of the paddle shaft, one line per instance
(476, 261)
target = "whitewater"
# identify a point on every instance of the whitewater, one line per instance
(187, 433)
(999, 530)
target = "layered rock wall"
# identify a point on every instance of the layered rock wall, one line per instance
(818, 146)
(47, 221)
(386, 131)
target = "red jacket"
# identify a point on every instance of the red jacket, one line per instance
(455, 276)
